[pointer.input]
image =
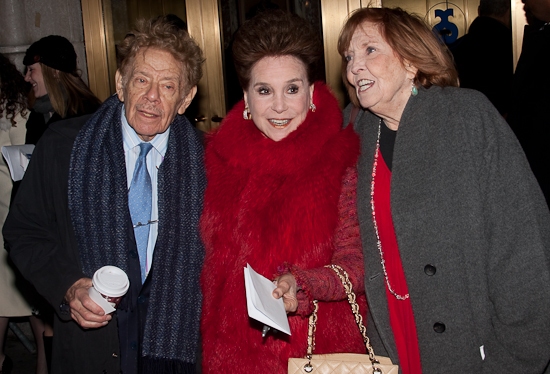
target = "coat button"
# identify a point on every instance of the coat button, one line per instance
(141, 299)
(429, 270)
(133, 254)
(133, 346)
(439, 327)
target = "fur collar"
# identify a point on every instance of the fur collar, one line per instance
(264, 155)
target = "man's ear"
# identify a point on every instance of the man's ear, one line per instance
(187, 100)
(119, 86)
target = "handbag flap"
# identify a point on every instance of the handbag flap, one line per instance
(352, 357)
(356, 357)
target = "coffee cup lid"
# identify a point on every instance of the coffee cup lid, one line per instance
(111, 281)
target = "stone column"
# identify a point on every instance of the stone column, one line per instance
(14, 40)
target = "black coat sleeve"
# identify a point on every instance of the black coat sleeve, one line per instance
(38, 230)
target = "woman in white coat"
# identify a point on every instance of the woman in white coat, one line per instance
(13, 118)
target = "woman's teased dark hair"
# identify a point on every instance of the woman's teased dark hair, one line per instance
(165, 34)
(276, 33)
(13, 90)
(410, 38)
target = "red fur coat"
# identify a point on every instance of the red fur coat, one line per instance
(267, 204)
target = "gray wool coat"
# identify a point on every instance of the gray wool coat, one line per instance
(473, 231)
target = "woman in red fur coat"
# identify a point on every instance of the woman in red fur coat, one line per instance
(280, 197)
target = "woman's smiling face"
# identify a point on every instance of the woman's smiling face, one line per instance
(279, 95)
(36, 79)
(381, 80)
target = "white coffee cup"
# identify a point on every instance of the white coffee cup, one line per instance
(112, 283)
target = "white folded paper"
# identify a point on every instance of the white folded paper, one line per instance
(17, 157)
(261, 304)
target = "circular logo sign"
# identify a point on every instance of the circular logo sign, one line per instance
(447, 20)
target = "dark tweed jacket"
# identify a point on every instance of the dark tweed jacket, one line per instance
(474, 235)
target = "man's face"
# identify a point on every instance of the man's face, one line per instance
(538, 8)
(153, 91)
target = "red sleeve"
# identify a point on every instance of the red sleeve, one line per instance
(322, 283)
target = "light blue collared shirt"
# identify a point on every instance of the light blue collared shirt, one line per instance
(155, 157)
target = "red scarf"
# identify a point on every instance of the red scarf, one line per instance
(401, 313)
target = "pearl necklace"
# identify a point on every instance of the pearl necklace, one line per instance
(378, 242)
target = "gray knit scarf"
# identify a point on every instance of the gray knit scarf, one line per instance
(98, 203)
(43, 105)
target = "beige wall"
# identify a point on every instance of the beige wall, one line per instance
(26, 21)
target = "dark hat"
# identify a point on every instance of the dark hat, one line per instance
(54, 51)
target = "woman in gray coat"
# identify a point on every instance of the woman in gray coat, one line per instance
(455, 229)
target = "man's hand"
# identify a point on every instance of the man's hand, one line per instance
(83, 309)
(286, 288)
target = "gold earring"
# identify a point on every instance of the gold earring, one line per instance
(246, 113)
(312, 107)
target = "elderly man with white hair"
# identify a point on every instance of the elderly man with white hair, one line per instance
(122, 187)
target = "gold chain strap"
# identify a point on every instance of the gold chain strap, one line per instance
(344, 277)
(311, 330)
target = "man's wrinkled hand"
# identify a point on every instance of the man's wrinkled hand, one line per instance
(84, 310)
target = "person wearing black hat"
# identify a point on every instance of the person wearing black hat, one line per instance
(56, 84)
